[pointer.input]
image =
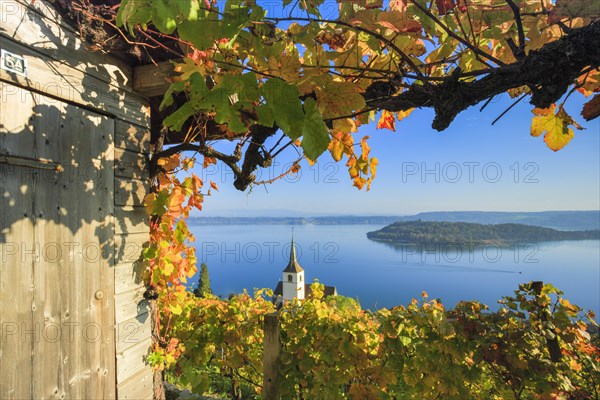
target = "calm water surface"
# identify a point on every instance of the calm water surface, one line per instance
(378, 275)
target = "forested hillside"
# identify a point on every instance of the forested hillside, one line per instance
(461, 233)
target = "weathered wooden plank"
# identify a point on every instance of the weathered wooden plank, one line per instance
(38, 26)
(138, 386)
(131, 220)
(130, 192)
(129, 164)
(128, 247)
(16, 282)
(58, 80)
(130, 304)
(132, 360)
(128, 276)
(133, 331)
(50, 236)
(132, 137)
(152, 80)
(87, 280)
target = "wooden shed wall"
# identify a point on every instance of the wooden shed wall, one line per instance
(83, 87)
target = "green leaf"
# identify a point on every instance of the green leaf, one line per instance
(283, 99)
(176, 120)
(197, 89)
(200, 383)
(150, 253)
(189, 9)
(265, 115)
(314, 131)
(200, 33)
(233, 94)
(168, 97)
(134, 12)
(164, 17)
(180, 232)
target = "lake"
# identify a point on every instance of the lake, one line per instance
(379, 275)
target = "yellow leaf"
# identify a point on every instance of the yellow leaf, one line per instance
(365, 148)
(149, 202)
(373, 167)
(589, 83)
(336, 147)
(176, 309)
(344, 125)
(403, 114)
(555, 127)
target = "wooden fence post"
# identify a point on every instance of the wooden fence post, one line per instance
(270, 357)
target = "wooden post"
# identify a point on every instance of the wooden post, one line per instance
(270, 357)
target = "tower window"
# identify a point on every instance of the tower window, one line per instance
(300, 278)
(289, 278)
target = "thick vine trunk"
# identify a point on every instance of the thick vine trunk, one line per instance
(548, 72)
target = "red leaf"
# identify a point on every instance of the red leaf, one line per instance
(444, 6)
(387, 121)
(591, 109)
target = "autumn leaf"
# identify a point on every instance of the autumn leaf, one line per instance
(574, 9)
(373, 167)
(398, 5)
(337, 99)
(359, 182)
(591, 109)
(176, 200)
(444, 6)
(214, 186)
(398, 22)
(589, 83)
(387, 120)
(336, 147)
(149, 201)
(403, 114)
(169, 163)
(365, 148)
(554, 126)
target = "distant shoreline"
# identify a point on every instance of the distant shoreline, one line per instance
(468, 235)
(559, 220)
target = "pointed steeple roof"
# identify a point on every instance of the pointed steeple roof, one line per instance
(293, 265)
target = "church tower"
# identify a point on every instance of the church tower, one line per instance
(293, 278)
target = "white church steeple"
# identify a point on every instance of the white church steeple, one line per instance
(293, 277)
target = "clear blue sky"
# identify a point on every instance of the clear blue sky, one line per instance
(533, 178)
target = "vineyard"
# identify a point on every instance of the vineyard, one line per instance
(534, 347)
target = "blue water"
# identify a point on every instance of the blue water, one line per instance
(378, 275)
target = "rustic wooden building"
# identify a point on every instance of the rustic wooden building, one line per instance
(74, 146)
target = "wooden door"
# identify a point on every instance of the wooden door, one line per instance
(56, 249)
